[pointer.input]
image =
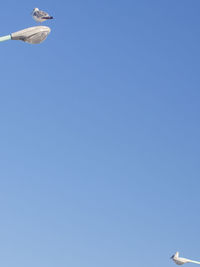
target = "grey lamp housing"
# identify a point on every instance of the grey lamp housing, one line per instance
(32, 35)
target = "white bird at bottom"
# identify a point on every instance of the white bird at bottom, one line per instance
(178, 260)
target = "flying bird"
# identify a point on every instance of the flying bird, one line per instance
(178, 260)
(40, 15)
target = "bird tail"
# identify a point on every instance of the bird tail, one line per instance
(197, 262)
(47, 17)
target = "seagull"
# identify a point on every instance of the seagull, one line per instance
(181, 261)
(40, 15)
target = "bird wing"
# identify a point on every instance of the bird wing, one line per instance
(41, 14)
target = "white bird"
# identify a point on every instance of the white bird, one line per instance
(40, 15)
(178, 260)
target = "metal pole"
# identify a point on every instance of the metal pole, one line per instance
(5, 38)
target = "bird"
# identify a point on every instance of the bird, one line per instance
(39, 15)
(178, 260)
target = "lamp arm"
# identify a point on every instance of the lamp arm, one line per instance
(5, 38)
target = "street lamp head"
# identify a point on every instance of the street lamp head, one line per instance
(32, 35)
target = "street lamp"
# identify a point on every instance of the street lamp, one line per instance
(32, 35)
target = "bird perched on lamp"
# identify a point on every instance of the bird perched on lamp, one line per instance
(40, 16)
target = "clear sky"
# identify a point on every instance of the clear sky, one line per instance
(99, 134)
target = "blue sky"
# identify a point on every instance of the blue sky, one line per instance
(99, 139)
